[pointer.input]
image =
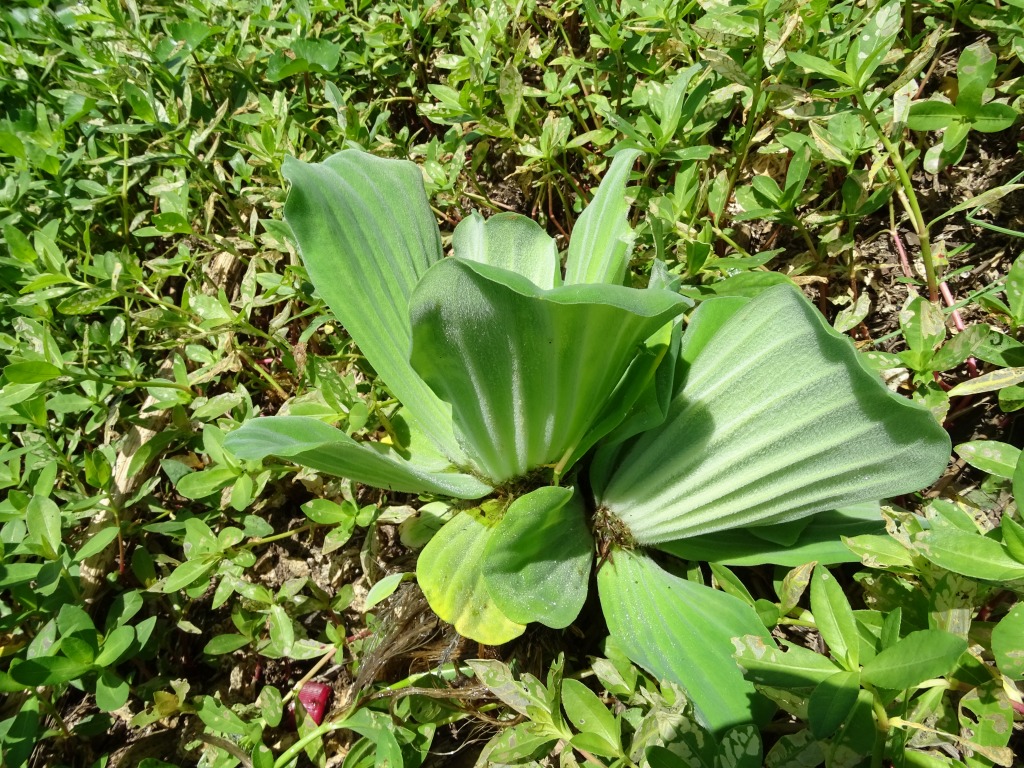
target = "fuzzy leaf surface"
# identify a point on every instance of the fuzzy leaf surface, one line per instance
(510, 241)
(311, 443)
(537, 561)
(366, 234)
(778, 419)
(683, 632)
(526, 371)
(450, 574)
(602, 239)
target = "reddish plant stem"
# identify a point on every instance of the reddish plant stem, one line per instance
(947, 296)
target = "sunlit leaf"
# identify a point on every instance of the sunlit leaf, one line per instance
(778, 419)
(526, 370)
(683, 632)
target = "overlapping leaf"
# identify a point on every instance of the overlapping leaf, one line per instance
(366, 235)
(744, 443)
(682, 631)
(314, 444)
(525, 370)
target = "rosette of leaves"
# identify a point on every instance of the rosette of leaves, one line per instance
(518, 381)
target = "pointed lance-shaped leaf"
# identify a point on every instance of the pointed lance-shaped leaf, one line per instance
(526, 371)
(312, 443)
(778, 419)
(366, 234)
(510, 241)
(602, 238)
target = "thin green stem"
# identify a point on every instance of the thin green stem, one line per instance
(129, 383)
(918, 220)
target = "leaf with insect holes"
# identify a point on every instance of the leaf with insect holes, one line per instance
(1008, 643)
(872, 44)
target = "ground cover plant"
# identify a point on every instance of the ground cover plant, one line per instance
(209, 217)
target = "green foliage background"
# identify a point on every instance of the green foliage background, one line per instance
(151, 299)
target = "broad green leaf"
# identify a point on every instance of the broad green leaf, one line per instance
(740, 747)
(197, 485)
(796, 667)
(31, 372)
(833, 617)
(111, 691)
(1008, 643)
(188, 573)
(1013, 537)
(1015, 290)
(960, 347)
(796, 750)
(383, 589)
(974, 71)
(450, 573)
(919, 656)
(602, 238)
(994, 117)
(47, 670)
(219, 718)
(366, 234)
(924, 328)
(683, 632)
(831, 703)
(820, 541)
(537, 562)
(990, 456)
(510, 241)
(87, 301)
(525, 390)
(43, 518)
(311, 443)
(969, 554)
(220, 644)
(778, 418)
(856, 736)
(592, 718)
(932, 115)
(115, 645)
(819, 66)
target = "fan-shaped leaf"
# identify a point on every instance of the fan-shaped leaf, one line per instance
(537, 562)
(509, 241)
(526, 371)
(777, 419)
(602, 239)
(451, 577)
(366, 234)
(682, 631)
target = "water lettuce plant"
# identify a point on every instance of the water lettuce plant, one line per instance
(577, 421)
